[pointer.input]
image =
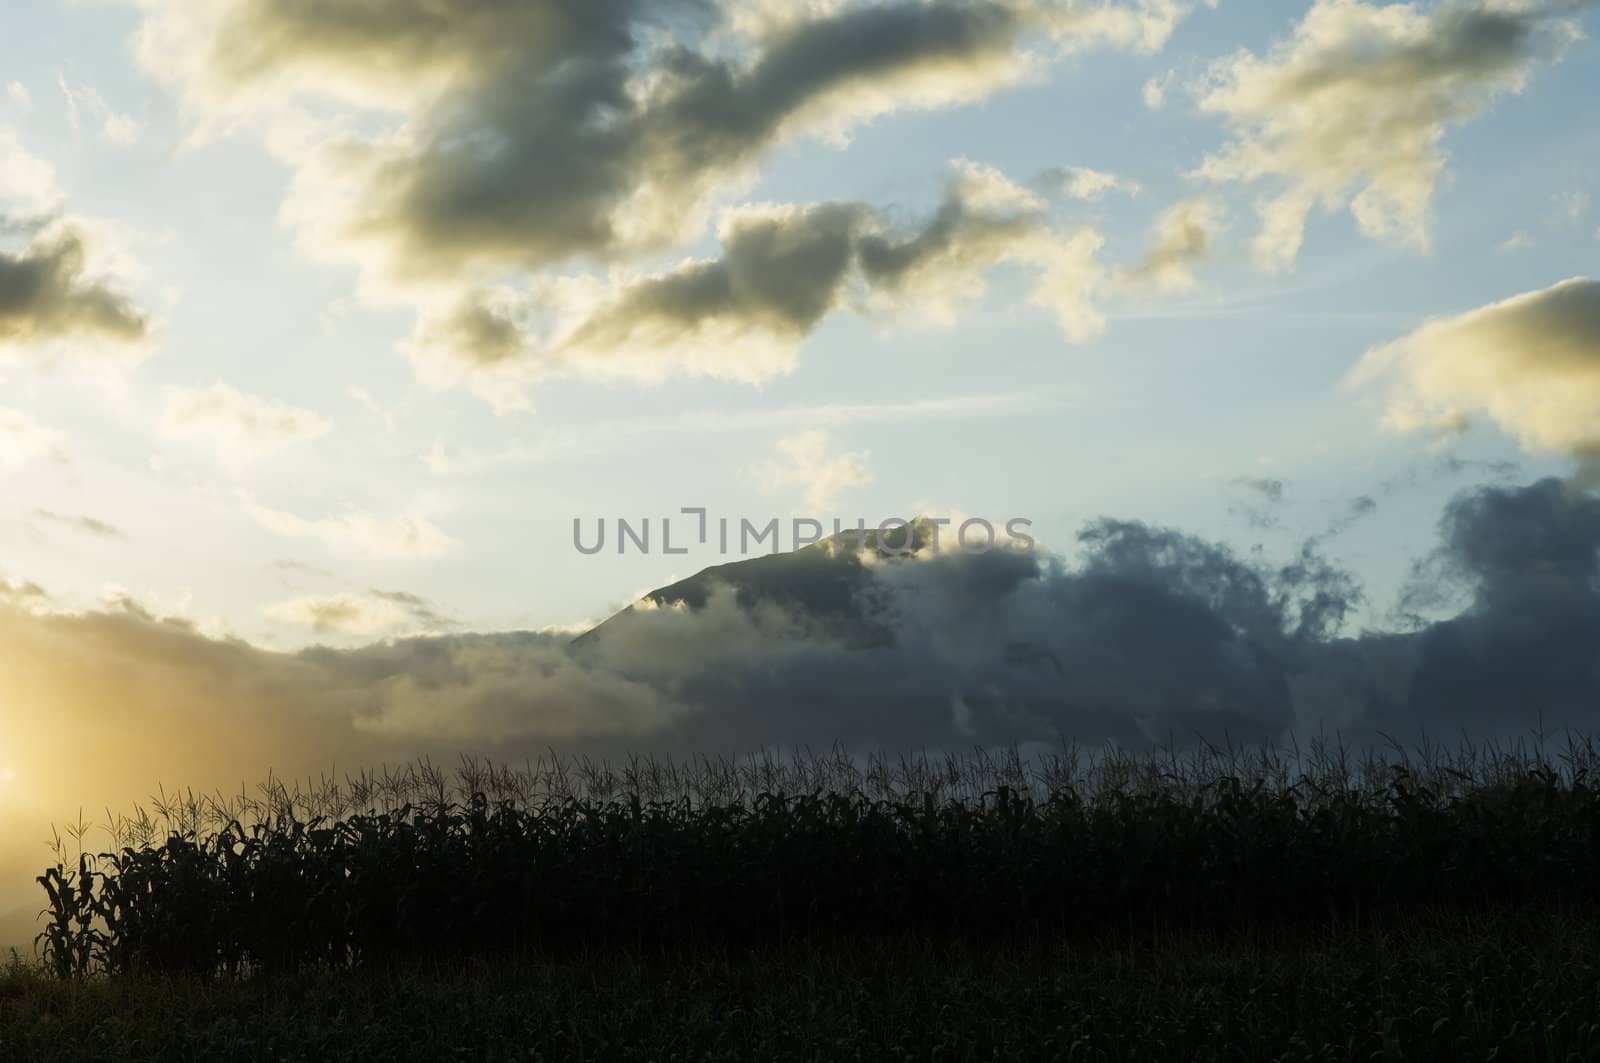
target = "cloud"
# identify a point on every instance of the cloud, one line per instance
(1530, 363)
(1517, 241)
(1268, 488)
(22, 597)
(1350, 111)
(401, 538)
(115, 128)
(363, 615)
(811, 462)
(509, 159)
(1154, 91)
(1260, 510)
(48, 296)
(83, 525)
(814, 648)
(242, 428)
(28, 185)
(984, 221)
(1526, 558)
(1573, 206)
(1184, 235)
(1080, 182)
(24, 441)
(782, 269)
(1151, 635)
(19, 95)
(464, 155)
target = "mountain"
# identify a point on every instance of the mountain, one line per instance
(1152, 636)
(824, 582)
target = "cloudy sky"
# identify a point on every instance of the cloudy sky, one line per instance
(320, 323)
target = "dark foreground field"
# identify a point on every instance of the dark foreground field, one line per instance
(1256, 906)
(1508, 987)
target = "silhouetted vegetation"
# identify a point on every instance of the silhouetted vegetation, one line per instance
(1514, 986)
(573, 858)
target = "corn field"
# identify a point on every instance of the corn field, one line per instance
(572, 857)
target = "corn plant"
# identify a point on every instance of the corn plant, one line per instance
(569, 856)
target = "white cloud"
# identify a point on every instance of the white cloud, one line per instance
(1573, 206)
(1350, 112)
(1154, 91)
(1184, 235)
(24, 441)
(812, 463)
(83, 101)
(1531, 363)
(242, 428)
(19, 95)
(1517, 241)
(1080, 182)
(401, 538)
(27, 182)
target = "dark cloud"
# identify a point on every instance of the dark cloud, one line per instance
(1153, 633)
(779, 273)
(543, 131)
(1265, 497)
(781, 270)
(569, 127)
(1152, 637)
(1527, 647)
(1269, 488)
(1356, 510)
(47, 293)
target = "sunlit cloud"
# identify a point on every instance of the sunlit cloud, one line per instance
(1350, 112)
(28, 183)
(362, 615)
(1080, 182)
(811, 463)
(82, 525)
(407, 537)
(1184, 236)
(23, 441)
(625, 149)
(782, 269)
(85, 102)
(1530, 364)
(240, 428)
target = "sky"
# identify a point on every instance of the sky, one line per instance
(321, 325)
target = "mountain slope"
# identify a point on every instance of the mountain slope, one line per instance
(823, 582)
